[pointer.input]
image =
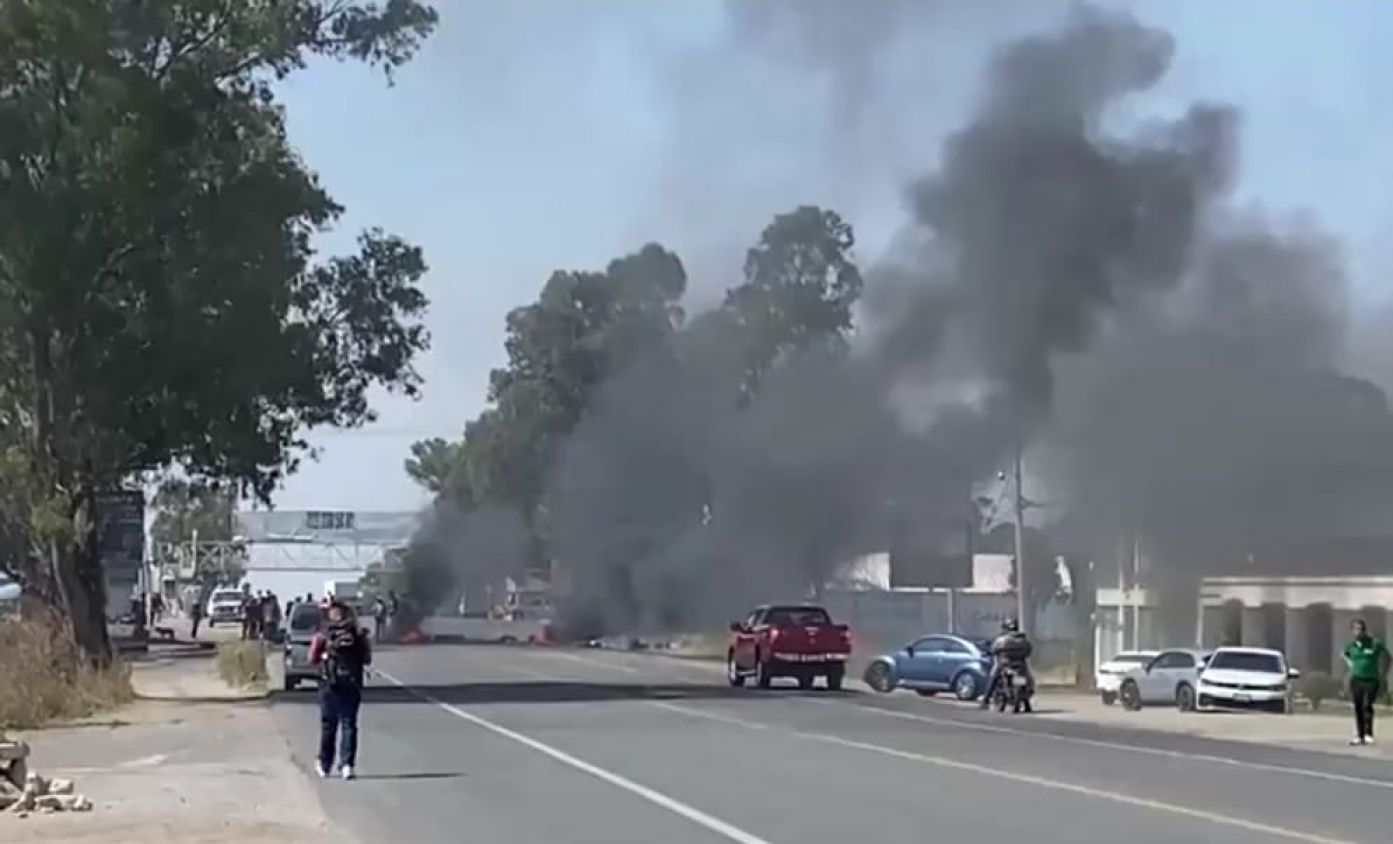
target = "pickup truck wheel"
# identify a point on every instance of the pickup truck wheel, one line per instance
(733, 675)
(834, 679)
(805, 681)
(291, 684)
(763, 678)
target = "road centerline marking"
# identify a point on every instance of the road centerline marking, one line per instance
(1026, 779)
(1330, 776)
(657, 798)
(1099, 793)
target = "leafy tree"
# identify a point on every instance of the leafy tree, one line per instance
(160, 302)
(800, 286)
(584, 328)
(184, 510)
(434, 462)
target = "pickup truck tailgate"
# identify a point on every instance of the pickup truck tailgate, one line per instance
(818, 642)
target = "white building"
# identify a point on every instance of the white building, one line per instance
(296, 552)
(1307, 617)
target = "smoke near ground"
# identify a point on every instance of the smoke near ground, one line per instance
(1173, 361)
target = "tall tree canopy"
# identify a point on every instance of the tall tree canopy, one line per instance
(160, 296)
(593, 350)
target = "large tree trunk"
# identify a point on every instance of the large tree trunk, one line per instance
(81, 585)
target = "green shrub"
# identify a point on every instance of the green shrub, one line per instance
(242, 664)
(1318, 686)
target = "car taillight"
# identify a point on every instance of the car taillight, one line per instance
(846, 638)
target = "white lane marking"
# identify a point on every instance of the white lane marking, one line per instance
(1029, 779)
(709, 716)
(1118, 746)
(627, 669)
(1102, 794)
(1328, 776)
(657, 798)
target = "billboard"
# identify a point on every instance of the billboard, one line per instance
(120, 516)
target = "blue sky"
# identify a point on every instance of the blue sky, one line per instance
(533, 135)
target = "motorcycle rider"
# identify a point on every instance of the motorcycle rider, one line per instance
(1009, 650)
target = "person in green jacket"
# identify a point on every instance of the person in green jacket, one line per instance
(1367, 661)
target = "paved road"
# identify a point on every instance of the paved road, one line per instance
(538, 746)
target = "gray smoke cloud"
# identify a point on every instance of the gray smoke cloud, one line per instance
(1220, 430)
(1174, 364)
(1036, 226)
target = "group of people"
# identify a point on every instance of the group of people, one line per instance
(261, 614)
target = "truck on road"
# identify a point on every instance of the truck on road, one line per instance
(788, 641)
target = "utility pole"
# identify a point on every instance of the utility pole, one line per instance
(1019, 508)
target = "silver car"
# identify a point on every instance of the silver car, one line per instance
(300, 627)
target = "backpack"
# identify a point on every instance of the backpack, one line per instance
(343, 661)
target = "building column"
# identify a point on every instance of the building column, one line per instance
(1213, 627)
(1298, 642)
(1254, 630)
(1340, 620)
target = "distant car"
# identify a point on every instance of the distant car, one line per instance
(1108, 677)
(1247, 678)
(933, 664)
(225, 606)
(788, 641)
(300, 628)
(1170, 678)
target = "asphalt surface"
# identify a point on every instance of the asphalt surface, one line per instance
(538, 746)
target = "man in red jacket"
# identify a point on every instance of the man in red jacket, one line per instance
(342, 652)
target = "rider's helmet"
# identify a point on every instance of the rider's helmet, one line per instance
(1010, 625)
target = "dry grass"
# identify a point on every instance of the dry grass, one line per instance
(242, 664)
(45, 680)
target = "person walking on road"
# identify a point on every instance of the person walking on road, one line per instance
(1367, 660)
(195, 617)
(379, 619)
(342, 652)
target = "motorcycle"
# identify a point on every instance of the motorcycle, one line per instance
(1012, 691)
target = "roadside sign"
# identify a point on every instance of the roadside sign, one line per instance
(120, 516)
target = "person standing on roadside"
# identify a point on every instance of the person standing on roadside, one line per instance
(342, 652)
(1367, 660)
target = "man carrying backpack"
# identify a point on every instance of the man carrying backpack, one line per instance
(342, 652)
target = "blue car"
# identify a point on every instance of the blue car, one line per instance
(932, 664)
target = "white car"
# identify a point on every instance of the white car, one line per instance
(225, 606)
(1108, 678)
(1170, 678)
(1247, 678)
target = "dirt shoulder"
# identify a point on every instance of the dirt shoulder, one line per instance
(175, 772)
(193, 761)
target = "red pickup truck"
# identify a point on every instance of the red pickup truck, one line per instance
(788, 641)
